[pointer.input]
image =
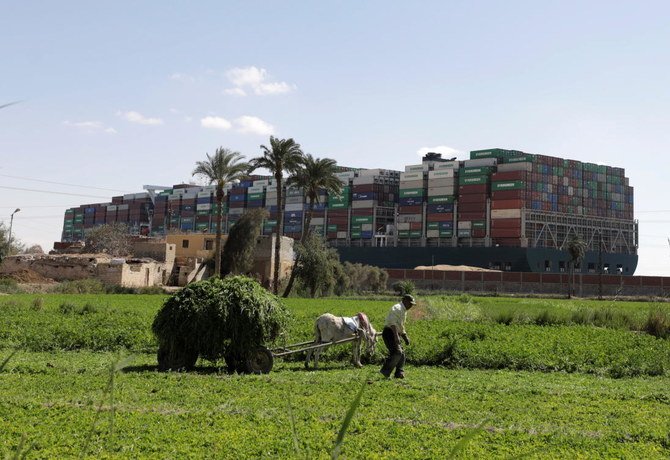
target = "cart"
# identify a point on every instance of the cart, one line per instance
(261, 359)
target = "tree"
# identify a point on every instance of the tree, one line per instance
(238, 252)
(34, 249)
(222, 168)
(318, 266)
(313, 175)
(5, 248)
(282, 155)
(577, 250)
(112, 239)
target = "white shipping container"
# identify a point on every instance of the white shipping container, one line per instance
(111, 208)
(174, 197)
(465, 225)
(235, 211)
(261, 183)
(441, 174)
(203, 207)
(346, 175)
(409, 218)
(520, 166)
(255, 189)
(129, 196)
(317, 221)
(403, 226)
(204, 194)
(341, 234)
(506, 214)
(480, 162)
(271, 188)
(432, 234)
(292, 199)
(441, 191)
(372, 172)
(413, 176)
(366, 227)
(571, 190)
(442, 182)
(364, 180)
(294, 207)
(122, 207)
(360, 204)
(412, 184)
(439, 166)
(414, 168)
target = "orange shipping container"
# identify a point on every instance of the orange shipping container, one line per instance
(505, 223)
(506, 232)
(442, 217)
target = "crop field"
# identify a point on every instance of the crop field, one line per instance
(487, 378)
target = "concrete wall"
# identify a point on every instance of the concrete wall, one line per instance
(196, 243)
(533, 283)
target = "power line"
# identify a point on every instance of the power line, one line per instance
(62, 183)
(52, 193)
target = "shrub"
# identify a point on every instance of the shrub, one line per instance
(215, 319)
(366, 278)
(86, 286)
(546, 318)
(8, 286)
(67, 308)
(87, 309)
(404, 287)
(657, 324)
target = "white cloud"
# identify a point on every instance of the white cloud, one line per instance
(136, 117)
(247, 124)
(446, 151)
(181, 77)
(256, 80)
(216, 123)
(90, 126)
(235, 92)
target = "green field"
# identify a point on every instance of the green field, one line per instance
(542, 378)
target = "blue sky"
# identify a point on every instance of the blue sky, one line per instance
(123, 94)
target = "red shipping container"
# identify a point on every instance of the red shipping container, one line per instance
(470, 189)
(418, 209)
(442, 217)
(362, 211)
(471, 215)
(508, 195)
(364, 188)
(473, 198)
(509, 176)
(338, 220)
(338, 213)
(506, 232)
(507, 204)
(472, 207)
(506, 223)
(331, 235)
(415, 225)
(479, 233)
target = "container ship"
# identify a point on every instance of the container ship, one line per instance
(500, 209)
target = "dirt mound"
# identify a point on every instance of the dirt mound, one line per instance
(28, 277)
(454, 268)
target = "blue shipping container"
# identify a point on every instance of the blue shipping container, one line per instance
(410, 201)
(439, 208)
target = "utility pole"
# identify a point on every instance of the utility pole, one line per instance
(9, 238)
(600, 267)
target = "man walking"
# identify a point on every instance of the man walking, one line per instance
(394, 328)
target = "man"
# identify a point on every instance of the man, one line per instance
(394, 328)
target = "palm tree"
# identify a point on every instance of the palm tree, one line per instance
(224, 167)
(577, 250)
(314, 174)
(282, 155)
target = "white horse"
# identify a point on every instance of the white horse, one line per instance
(331, 328)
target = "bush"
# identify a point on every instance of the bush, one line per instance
(67, 308)
(8, 286)
(216, 319)
(366, 278)
(38, 304)
(657, 324)
(87, 286)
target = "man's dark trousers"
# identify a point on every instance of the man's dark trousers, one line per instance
(396, 358)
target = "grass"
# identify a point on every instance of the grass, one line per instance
(54, 399)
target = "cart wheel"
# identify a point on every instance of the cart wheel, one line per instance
(260, 361)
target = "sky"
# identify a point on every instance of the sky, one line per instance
(117, 95)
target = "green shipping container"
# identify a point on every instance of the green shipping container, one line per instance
(473, 180)
(411, 192)
(521, 159)
(441, 199)
(508, 185)
(415, 233)
(361, 219)
(447, 233)
(256, 196)
(337, 205)
(356, 234)
(332, 228)
(403, 234)
(463, 233)
(355, 227)
(479, 224)
(433, 225)
(477, 170)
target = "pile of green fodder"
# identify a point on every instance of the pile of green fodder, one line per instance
(216, 319)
